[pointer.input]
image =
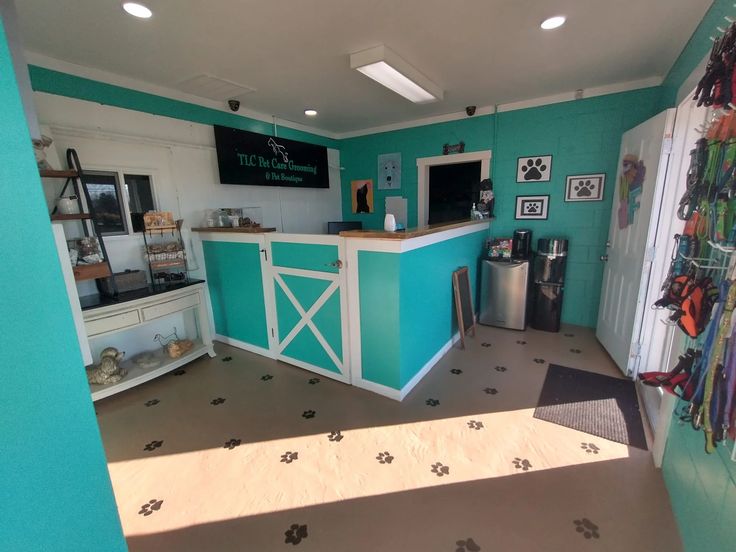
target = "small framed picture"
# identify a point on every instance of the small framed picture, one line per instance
(585, 187)
(532, 207)
(537, 168)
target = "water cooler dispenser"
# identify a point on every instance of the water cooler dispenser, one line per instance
(549, 280)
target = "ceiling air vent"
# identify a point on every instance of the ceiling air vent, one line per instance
(214, 88)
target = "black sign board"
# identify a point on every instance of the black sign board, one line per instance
(256, 159)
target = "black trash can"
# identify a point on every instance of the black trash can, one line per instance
(549, 280)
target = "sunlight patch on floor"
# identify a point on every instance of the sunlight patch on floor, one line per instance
(255, 478)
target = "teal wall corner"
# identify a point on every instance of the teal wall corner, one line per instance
(55, 483)
(427, 303)
(695, 50)
(234, 278)
(380, 329)
(72, 86)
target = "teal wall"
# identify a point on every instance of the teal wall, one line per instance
(380, 324)
(427, 302)
(236, 291)
(702, 489)
(407, 310)
(55, 491)
(583, 136)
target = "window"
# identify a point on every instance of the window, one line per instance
(120, 209)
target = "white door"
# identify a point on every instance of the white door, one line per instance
(637, 200)
(306, 285)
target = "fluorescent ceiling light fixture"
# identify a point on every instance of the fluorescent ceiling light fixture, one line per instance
(553, 22)
(310, 112)
(390, 70)
(137, 10)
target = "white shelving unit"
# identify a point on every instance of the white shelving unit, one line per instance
(124, 323)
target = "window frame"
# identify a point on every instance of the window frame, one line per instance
(122, 191)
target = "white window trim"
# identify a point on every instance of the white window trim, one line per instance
(423, 166)
(152, 174)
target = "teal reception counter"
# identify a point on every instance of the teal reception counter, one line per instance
(373, 309)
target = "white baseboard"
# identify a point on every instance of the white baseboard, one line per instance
(243, 345)
(384, 390)
(428, 366)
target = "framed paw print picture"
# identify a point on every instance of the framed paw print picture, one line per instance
(532, 207)
(534, 169)
(585, 187)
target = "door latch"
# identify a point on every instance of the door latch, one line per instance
(265, 253)
(337, 264)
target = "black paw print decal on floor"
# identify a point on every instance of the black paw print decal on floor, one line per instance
(521, 342)
(533, 169)
(232, 443)
(440, 469)
(456, 371)
(179, 372)
(266, 377)
(217, 401)
(485, 344)
(500, 368)
(576, 351)
(288, 457)
(314, 381)
(152, 402)
(227, 359)
(335, 436)
(467, 545)
(539, 360)
(522, 464)
(295, 534)
(151, 506)
(569, 335)
(153, 445)
(432, 402)
(490, 391)
(589, 448)
(472, 424)
(309, 414)
(587, 528)
(583, 188)
(384, 458)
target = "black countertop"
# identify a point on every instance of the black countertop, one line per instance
(96, 300)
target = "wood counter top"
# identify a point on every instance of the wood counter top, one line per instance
(237, 229)
(412, 232)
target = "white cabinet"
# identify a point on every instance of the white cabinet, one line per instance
(130, 326)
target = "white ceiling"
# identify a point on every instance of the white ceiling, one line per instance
(295, 53)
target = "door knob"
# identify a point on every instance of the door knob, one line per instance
(604, 258)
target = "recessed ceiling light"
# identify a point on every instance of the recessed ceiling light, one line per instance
(310, 112)
(137, 10)
(553, 22)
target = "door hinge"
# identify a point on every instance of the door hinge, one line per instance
(667, 145)
(272, 333)
(649, 254)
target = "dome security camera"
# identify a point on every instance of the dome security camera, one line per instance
(470, 110)
(234, 104)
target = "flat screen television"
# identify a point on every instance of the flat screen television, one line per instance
(337, 227)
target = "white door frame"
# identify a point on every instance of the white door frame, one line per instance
(423, 166)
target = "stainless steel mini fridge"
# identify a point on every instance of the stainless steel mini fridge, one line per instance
(503, 293)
